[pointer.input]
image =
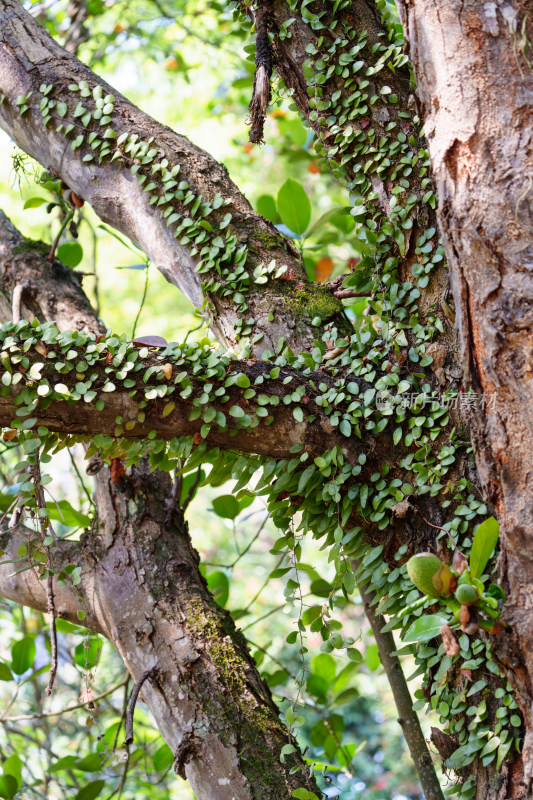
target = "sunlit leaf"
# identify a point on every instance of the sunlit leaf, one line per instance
(425, 628)
(70, 253)
(218, 584)
(485, 540)
(22, 655)
(90, 791)
(226, 506)
(294, 206)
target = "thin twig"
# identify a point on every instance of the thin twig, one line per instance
(69, 708)
(131, 707)
(440, 528)
(250, 543)
(143, 298)
(53, 633)
(407, 717)
(50, 598)
(344, 293)
(52, 254)
(78, 473)
(124, 712)
(124, 774)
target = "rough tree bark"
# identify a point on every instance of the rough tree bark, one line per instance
(474, 72)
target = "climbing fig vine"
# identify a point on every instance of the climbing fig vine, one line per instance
(349, 441)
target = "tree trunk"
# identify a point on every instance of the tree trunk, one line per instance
(473, 68)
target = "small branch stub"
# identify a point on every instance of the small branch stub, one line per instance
(131, 706)
(263, 71)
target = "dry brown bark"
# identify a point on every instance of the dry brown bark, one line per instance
(473, 66)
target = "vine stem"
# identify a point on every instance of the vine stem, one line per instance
(52, 254)
(51, 606)
(143, 298)
(407, 717)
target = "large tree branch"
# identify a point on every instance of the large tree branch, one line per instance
(20, 582)
(50, 291)
(280, 396)
(29, 59)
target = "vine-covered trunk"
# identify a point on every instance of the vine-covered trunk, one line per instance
(142, 589)
(475, 80)
(348, 74)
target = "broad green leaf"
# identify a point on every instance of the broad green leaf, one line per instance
(294, 206)
(425, 628)
(333, 212)
(8, 786)
(87, 657)
(70, 253)
(90, 763)
(226, 506)
(22, 655)
(304, 794)
(218, 584)
(5, 672)
(62, 626)
(34, 202)
(13, 766)
(345, 697)
(345, 676)
(372, 658)
(67, 762)
(485, 540)
(90, 791)
(277, 678)
(163, 758)
(324, 666)
(266, 206)
(67, 514)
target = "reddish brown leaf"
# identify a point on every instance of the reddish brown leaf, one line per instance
(117, 471)
(149, 341)
(78, 201)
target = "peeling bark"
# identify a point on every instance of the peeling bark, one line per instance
(476, 88)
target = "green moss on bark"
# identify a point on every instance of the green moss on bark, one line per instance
(245, 719)
(312, 300)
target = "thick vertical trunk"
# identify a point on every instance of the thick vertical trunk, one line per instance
(473, 68)
(143, 590)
